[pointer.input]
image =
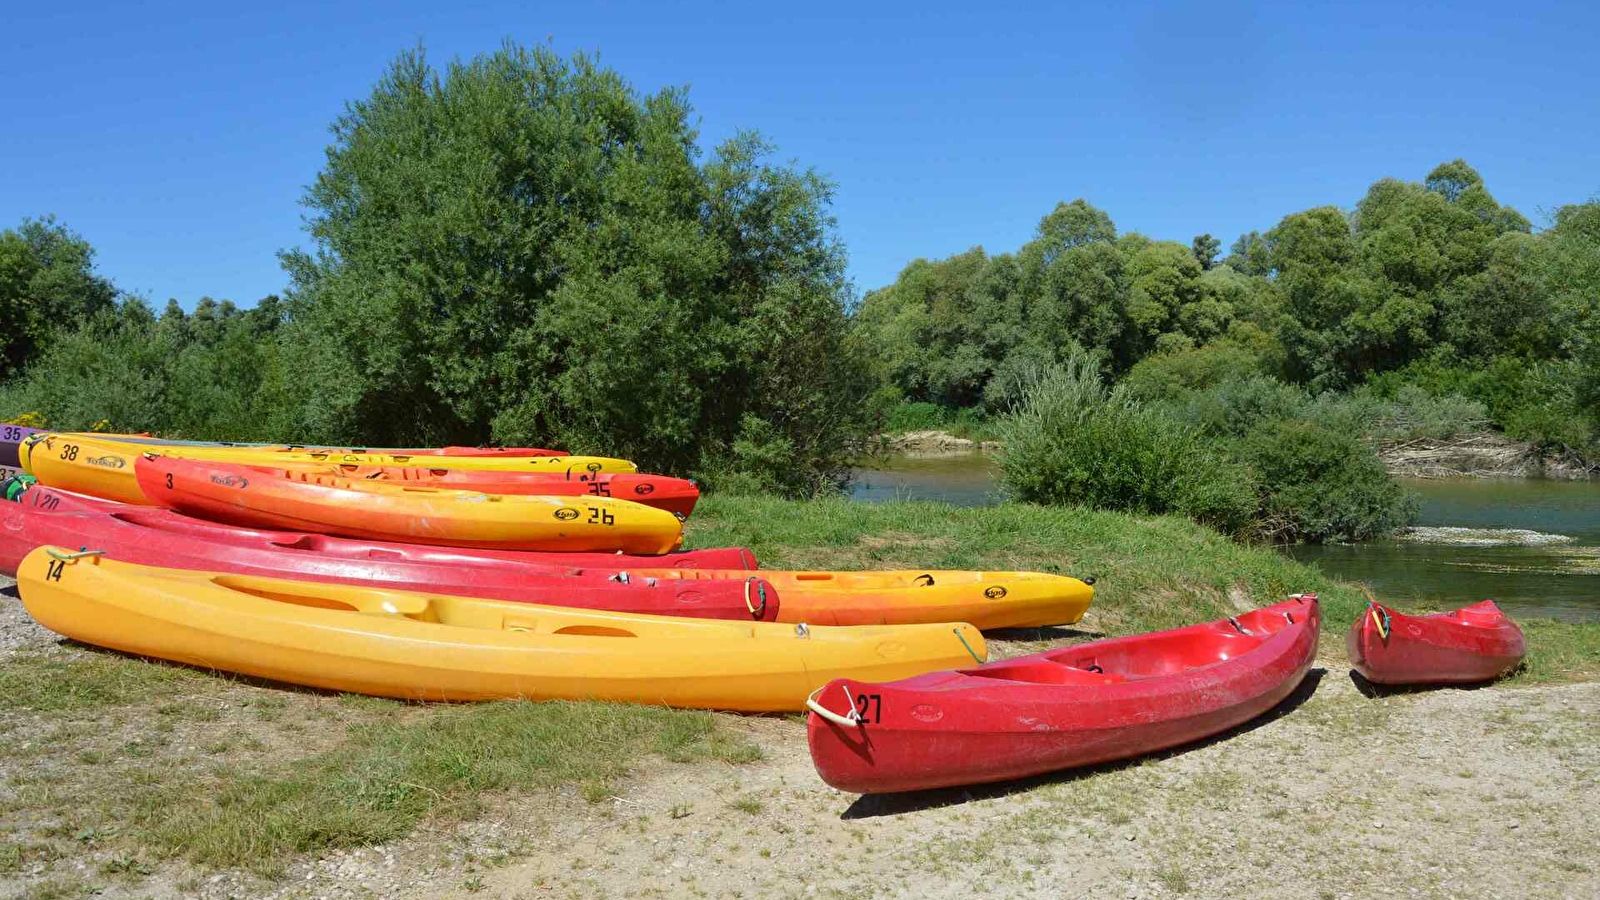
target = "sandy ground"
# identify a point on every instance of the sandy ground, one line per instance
(1487, 793)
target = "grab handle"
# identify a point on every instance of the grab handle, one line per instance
(853, 721)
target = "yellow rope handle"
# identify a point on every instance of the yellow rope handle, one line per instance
(755, 613)
(1384, 624)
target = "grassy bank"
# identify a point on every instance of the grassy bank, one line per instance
(1151, 572)
(144, 771)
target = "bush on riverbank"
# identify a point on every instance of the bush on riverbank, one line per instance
(1232, 457)
(1072, 440)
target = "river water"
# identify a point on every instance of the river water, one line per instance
(1528, 575)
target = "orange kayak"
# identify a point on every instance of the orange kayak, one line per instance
(675, 495)
(326, 504)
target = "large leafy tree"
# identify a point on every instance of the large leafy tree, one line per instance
(522, 248)
(47, 284)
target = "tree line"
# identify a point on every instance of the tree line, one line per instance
(522, 248)
(1429, 283)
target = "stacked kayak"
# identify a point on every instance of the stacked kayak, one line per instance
(463, 575)
(159, 537)
(104, 467)
(1074, 706)
(675, 495)
(11, 438)
(1471, 644)
(328, 504)
(422, 646)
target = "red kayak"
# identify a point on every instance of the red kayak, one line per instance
(1075, 706)
(158, 537)
(1474, 643)
(675, 495)
(59, 500)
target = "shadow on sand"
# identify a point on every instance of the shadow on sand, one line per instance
(873, 805)
(1374, 691)
(1048, 633)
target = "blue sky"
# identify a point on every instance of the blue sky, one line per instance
(178, 139)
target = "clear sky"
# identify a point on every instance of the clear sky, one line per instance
(178, 139)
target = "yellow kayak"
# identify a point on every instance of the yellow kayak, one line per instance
(429, 647)
(87, 465)
(103, 467)
(984, 599)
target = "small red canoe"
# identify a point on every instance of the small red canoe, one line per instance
(1075, 706)
(164, 538)
(1474, 643)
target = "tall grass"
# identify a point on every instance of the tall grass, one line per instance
(1233, 457)
(1073, 439)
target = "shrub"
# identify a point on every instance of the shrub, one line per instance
(1169, 376)
(1238, 405)
(1073, 440)
(917, 416)
(1322, 485)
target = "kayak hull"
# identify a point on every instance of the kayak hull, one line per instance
(11, 438)
(159, 537)
(326, 504)
(986, 600)
(418, 646)
(1472, 644)
(1074, 706)
(675, 495)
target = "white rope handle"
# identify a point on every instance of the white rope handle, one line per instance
(852, 722)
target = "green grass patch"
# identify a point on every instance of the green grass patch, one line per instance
(1151, 572)
(388, 776)
(1559, 651)
(86, 681)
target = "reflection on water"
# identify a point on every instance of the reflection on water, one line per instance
(964, 479)
(1558, 580)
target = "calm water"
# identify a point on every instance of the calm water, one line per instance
(1558, 580)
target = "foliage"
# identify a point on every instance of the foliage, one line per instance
(523, 249)
(183, 375)
(1169, 376)
(1074, 440)
(1236, 455)
(518, 249)
(1429, 273)
(1322, 485)
(961, 422)
(47, 285)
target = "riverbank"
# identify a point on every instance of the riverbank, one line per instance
(1483, 454)
(138, 779)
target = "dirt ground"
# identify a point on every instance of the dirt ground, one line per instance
(1484, 793)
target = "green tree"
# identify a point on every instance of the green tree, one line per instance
(1205, 249)
(47, 284)
(521, 248)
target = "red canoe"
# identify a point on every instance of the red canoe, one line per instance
(163, 538)
(1474, 643)
(1075, 706)
(675, 495)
